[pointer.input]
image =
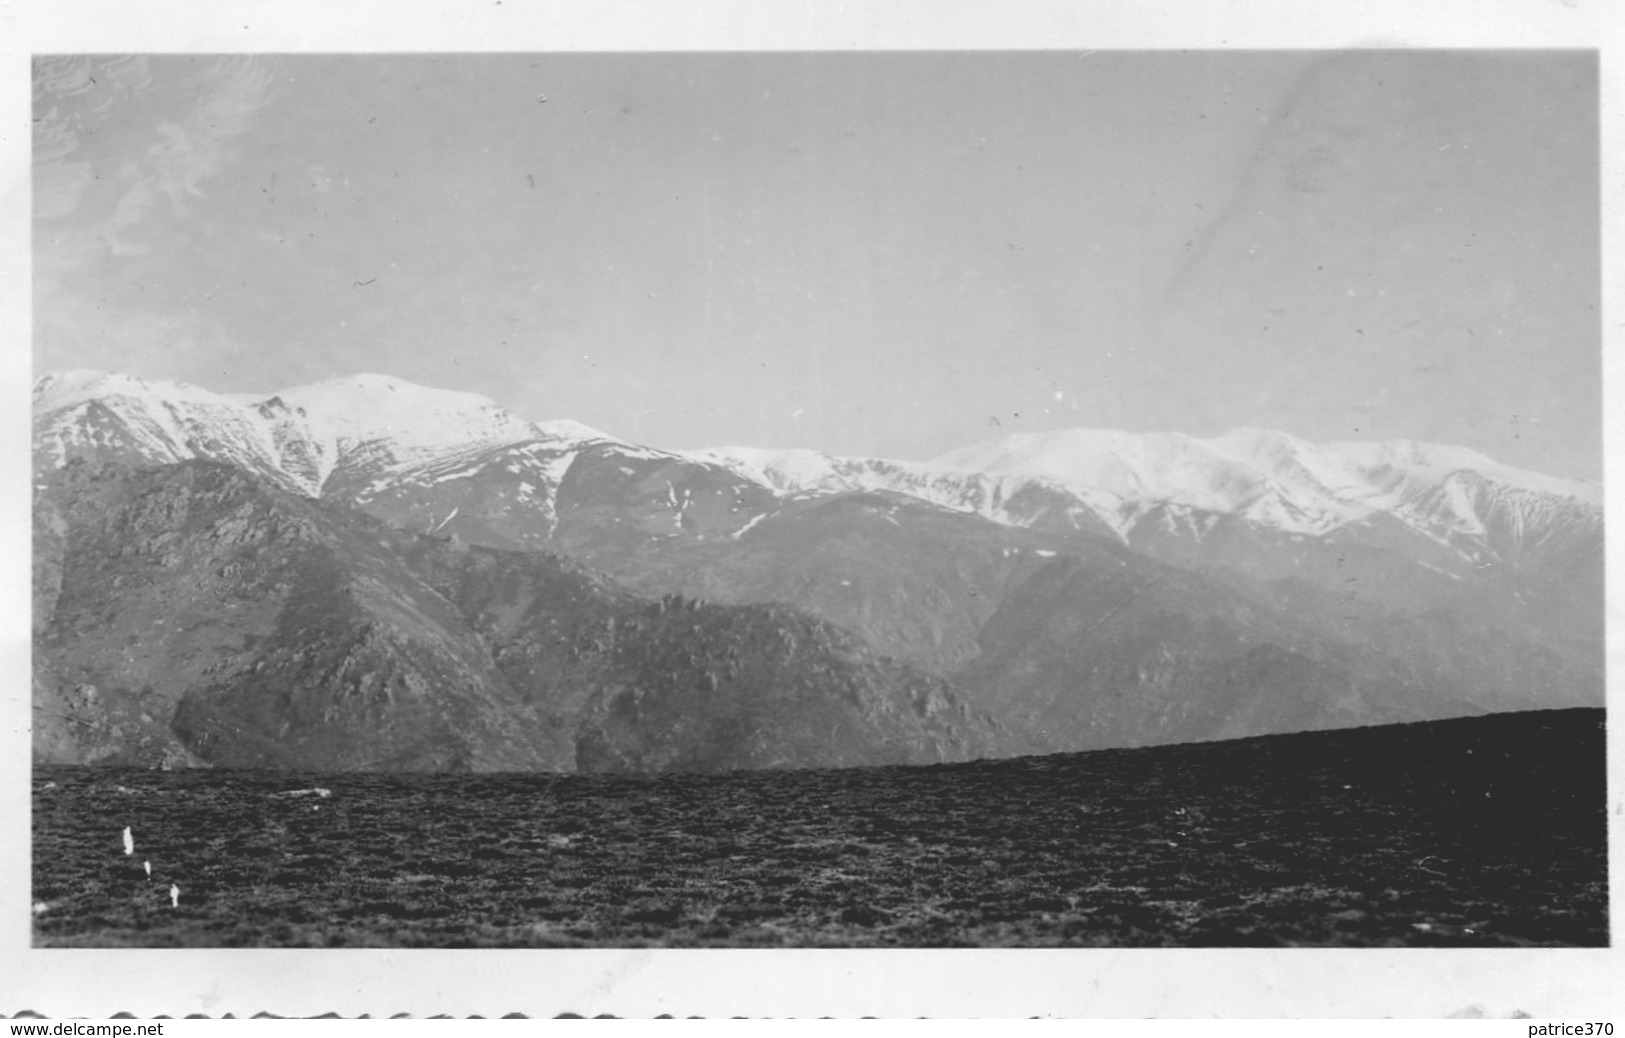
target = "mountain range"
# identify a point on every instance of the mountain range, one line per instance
(366, 573)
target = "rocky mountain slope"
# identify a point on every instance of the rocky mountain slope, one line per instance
(1083, 588)
(201, 616)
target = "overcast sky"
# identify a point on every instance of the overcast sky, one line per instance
(867, 253)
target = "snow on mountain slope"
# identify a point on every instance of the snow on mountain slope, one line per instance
(1434, 462)
(360, 408)
(110, 415)
(66, 389)
(812, 472)
(359, 427)
(1154, 465)
(788, 471)
(359, 436)
(1077, 479)
(1268, 477)
(569, 429)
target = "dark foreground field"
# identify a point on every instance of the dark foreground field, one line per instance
(1481, 832)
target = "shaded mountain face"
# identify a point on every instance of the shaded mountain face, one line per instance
(217, 619)
(713, 688)
(1096, 654)
(200, 616)
(1081, 589)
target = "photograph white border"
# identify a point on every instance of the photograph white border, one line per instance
(1292, 983)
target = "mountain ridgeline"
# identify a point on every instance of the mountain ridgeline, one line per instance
(371, 575)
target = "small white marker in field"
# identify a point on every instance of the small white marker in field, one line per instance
(174, 896)
(148, 866)
(129, 841)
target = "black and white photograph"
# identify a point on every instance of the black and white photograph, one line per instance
(819, 499)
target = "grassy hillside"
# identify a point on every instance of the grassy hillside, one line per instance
(1483, 832)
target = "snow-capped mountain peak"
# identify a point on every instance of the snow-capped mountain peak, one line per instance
(93, 412)
(360, 435)
(788, 470)
(359, 408)
(1224, 475)
(65, 389)
(297, 437)
(1177, 465)
(1269, 477)
(1435, 462)
(569, 429)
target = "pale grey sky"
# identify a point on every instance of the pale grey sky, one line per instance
(871, 253)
